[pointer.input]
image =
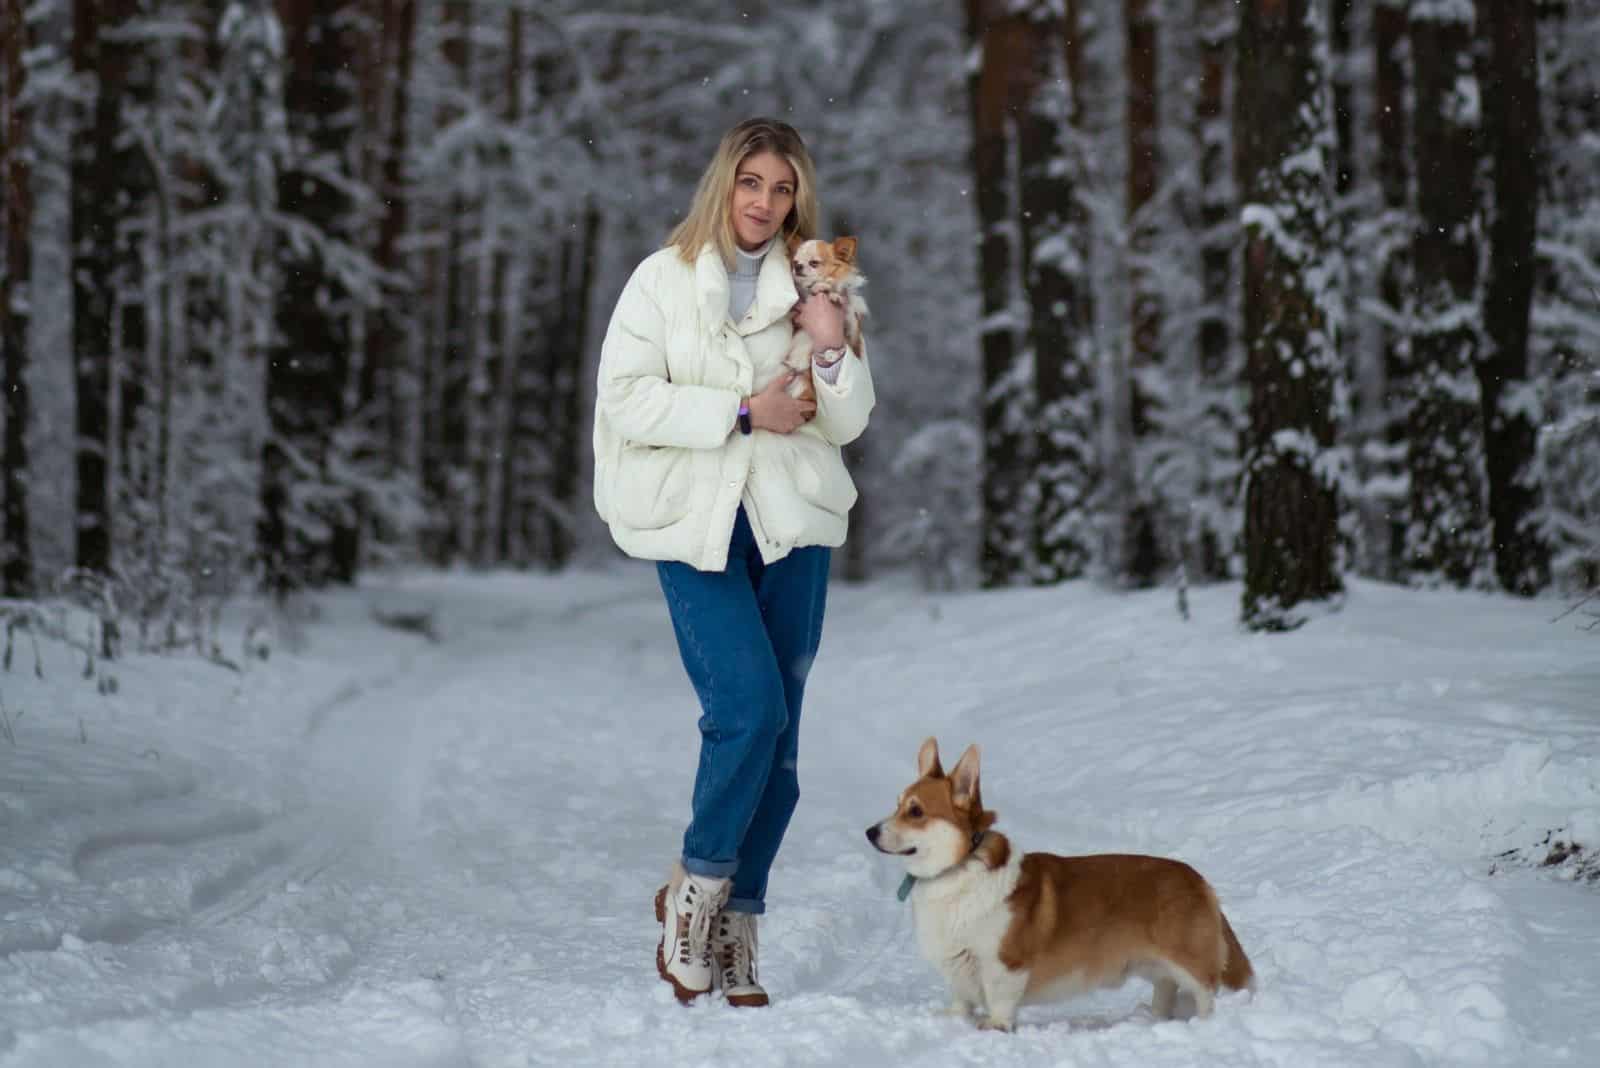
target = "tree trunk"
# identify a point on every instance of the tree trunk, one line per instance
(1344, 91)
(1511, 113)
(135, 430)
(386, 380)
(16, 222)
(483, 358)
(1448, 537)
(1218, 366)
(1053, 254)
(508, 288)
(1281, 113)
(102, 174)
(454, 491)
(1002, 38)
(579, 253)
(1391, 92)
(1142, 552)
(308, 377)
(453, 383)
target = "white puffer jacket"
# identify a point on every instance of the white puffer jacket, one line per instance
(671, 467)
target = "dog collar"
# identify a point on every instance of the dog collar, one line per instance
(911, 880)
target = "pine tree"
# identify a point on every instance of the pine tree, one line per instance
(1142, 554)
(161, 529)
(1566, 325)
(1052, 234)
(110, 177)
(1510, 416)
(234, 307)
(1283, 149)
(1391, 78)
(1448, 536)
(567, 245)
(1213, 534)
(1001, 37)
(457, 382)
(309, 531)
(388, 382)
(1190, 461)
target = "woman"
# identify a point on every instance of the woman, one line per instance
(705, 464)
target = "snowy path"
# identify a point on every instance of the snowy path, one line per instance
(384, 851)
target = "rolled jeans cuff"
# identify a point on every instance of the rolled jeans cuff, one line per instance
(716, 869)
(745, 904)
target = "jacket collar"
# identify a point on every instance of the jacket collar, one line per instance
(775, 292)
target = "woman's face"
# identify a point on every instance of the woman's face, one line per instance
(763, 194)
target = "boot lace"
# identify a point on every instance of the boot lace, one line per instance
(696, 913)
(736, 949)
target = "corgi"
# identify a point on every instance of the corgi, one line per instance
(1007, 928)
(824, 267)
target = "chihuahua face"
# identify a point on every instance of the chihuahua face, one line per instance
(829, 264)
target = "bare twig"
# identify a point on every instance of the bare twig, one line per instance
(1571, 609)
(8, 723)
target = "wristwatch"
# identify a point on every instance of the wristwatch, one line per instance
(744, 417)
(828, 357)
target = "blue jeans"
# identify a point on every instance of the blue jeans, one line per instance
(747, 635)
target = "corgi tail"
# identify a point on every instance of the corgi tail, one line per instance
(1236, 971)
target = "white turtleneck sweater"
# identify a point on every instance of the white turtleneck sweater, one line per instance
(742, 280)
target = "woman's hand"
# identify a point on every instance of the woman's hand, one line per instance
(773, 409)
(820, 317)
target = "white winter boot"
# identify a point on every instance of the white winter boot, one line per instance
(687, 909)
(733, 946)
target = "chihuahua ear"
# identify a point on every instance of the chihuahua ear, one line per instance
(964, 778)
(845, 249)
(928, 760)
(792, 242)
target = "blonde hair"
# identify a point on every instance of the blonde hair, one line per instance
(709, 220)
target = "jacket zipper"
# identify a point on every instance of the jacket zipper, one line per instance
(755, 514)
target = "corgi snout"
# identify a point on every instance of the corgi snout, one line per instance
(885, 840)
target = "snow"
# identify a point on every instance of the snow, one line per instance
(1270, 220)
(376, 849)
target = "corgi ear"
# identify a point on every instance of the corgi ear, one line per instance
(792, 242)
(845, 249)
(964, 778)
(928, 760)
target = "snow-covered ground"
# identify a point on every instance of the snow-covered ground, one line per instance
(381, 850)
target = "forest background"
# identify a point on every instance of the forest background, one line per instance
(1277, 291)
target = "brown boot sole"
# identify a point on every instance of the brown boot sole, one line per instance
(748, 1001)
(681, 992)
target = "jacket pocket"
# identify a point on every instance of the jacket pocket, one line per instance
(821, 479)
(653, 486)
